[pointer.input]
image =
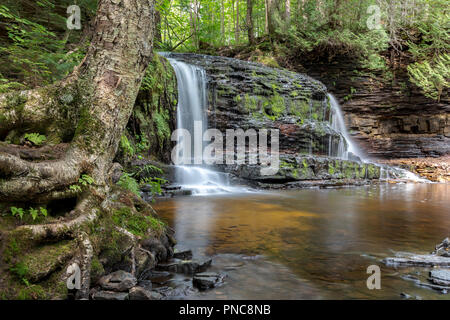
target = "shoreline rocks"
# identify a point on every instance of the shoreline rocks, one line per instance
(438, 278)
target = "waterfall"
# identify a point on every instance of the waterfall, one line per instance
(192, 108)
(346, 146)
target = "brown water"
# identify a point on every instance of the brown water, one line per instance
(312, 244)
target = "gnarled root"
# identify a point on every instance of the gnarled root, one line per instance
(85, 261)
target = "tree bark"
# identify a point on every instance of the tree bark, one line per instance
(287, 12)
(236, 28)
(222, 20)
(96, 99)
(89, 111)
(250, 29)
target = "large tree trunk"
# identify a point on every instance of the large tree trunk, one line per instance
(95, 102)
(87, 112)
(236, 27)
(250, 29)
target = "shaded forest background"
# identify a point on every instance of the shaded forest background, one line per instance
(36, 48)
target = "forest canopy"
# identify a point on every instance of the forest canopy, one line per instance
(37, 48)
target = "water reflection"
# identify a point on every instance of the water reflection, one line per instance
(326, 238)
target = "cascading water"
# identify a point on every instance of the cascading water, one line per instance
(346, 145)
(192, 108)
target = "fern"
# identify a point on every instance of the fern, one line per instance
(35, 138)
(127, 182)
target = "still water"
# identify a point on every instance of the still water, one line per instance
(312, 244)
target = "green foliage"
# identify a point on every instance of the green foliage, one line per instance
(137, 224)
(155, 184)
(35, 138)
(432, 77)
(127, 182)
(34, 54)
(34, 213)
(162, 126)
(126, 146)
(84, 181)
(17, 212)
(20, 270)
(142, 144)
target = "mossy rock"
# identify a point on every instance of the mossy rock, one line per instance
(44, 260)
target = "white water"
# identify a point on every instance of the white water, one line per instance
(346, 145)
(192, 107)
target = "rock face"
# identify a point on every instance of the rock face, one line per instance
(245, 95)
(388, 116)
(251, 96)
(295, 169)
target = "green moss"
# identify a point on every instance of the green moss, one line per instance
(300, 108)
(17, 244)
(45, 259)
(97, 269)
(34, 292)
(274, 107)
(129, 183)
(331, 169)
(137, 224)
(126, 146)
(162, 126)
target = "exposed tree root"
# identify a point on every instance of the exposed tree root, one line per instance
(85, 266)
(54, 152)
(90, 108)
(33, 180)
(85, 212)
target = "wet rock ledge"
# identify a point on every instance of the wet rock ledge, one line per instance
(439, 260)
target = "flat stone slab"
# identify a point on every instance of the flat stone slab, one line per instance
(187, 267)
(417, 260)
(443, 289)
(139, 293)
(111, 295)
(440, 277)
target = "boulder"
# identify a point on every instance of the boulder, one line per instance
(183, 254)
(118, 281)
(207, 280)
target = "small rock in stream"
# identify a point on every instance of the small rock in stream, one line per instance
(440, 277)
(139, 293)
(118, 281)
(207, 280)
(110, 295)
(187, 267)
(183, 255)
(405, 296)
